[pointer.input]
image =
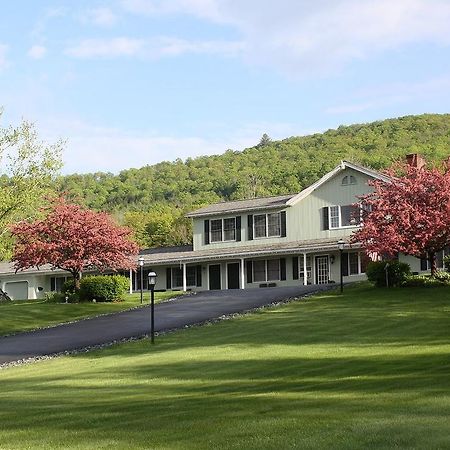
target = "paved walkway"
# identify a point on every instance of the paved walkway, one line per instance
(170, 315)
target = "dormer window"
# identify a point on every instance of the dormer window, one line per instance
(348, 179)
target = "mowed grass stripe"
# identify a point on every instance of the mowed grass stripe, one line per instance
(369, 369)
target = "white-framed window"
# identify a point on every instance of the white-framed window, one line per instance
(177, 276)
(222, 230)
(266, 270)
(356, 263)
(301, 268)
(267, 225)
(57, 283)
(344, 216)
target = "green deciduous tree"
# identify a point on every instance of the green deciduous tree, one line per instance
(27, 170)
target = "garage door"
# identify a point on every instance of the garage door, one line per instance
(17, 290)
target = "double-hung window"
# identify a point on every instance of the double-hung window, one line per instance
(267, 225)
(344, 216)
(223, 230)
(266, 270)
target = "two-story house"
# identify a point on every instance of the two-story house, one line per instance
(263, 242)
(275, 241)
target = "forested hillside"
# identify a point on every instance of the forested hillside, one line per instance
(271, 168)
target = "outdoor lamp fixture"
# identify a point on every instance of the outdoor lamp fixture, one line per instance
(151, 284)
(341, 244)
(141, 265)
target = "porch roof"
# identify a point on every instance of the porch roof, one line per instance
(188, 255)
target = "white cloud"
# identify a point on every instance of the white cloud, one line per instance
(37, 51)
(103, 17)
(157, 47)
(301, 36)
(4, 63)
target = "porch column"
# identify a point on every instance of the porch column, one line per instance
(184, 278)
(242, 274)
(305, 272)
(131, 281)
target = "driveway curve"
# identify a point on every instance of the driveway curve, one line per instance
(134, 323)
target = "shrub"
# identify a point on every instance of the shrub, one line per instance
(60, 297)
(447, 263)
(103, 288)
(441, 279)
(397, 272)
(69, 286)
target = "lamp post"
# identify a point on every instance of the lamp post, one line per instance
(151, 283)
(341, 244)
(141, 265)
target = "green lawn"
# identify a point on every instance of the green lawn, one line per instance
(366, 370)
(28, 315)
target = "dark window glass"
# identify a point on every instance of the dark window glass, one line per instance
(216, 230)
(229, 229)
(259, 223)
(353, 263)
(349, 215)
(273, 269)
(274, 224)
(259, 270)
(177, 276)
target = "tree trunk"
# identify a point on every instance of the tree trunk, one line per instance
(76, 280)
(432, 259)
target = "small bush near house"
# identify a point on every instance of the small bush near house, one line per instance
(439, 280)
(397, 272)
(60, 297)
(103, 288)
(447, 263)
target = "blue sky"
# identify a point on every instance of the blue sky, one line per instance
(135, 82)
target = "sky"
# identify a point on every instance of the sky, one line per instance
(134, 82)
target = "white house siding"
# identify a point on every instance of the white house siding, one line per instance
(34, 283)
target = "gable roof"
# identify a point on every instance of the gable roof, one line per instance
(341, 167)
(281, 201)
(277, 202)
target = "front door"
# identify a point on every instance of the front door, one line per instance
(214, 277)
(322, 269)
(233, 276)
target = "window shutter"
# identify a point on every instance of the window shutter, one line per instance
(295, 268)
(199, 276)
(282, 268)
(283, 223)
(423, 264)
(168, 278)
(238, 228)
(250, 227)
(249, 271)
(326, 225)
(206, 232)
(344, 263)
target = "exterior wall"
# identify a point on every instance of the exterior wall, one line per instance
(34, 283)
(304, 220)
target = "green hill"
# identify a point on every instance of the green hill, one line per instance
(276, 167)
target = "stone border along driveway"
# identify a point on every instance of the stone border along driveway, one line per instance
(24, 347)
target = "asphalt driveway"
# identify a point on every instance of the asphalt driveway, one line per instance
(127, 324)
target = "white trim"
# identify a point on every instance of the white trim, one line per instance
(327, 255)
(185, 279)
(242, 280)
(305, 272)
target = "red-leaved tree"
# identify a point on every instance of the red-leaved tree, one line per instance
(74, 239)
(409, 214)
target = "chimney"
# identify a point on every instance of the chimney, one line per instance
(415, 160)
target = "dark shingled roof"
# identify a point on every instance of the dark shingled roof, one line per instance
(243, 205)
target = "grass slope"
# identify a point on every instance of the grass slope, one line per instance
(369, 369)
(23, 315)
